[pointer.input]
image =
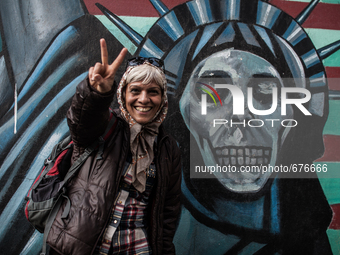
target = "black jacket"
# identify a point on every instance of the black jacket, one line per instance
(93, 191)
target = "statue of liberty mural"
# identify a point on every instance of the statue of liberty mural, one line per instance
(247, 44)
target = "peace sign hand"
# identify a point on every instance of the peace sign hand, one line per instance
(102, 75)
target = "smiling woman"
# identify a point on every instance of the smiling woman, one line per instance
(144, 92)
(130, 195)
(143, 101)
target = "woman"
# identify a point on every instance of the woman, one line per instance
(127, 200)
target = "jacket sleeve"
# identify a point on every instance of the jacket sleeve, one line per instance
(88, 115)
(172, 204)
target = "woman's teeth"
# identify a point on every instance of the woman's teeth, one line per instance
(143, 109)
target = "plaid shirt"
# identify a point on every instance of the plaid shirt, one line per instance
(126, 231)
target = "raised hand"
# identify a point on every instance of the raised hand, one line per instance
(101, 75)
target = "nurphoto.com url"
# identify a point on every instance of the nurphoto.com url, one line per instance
(263, 169)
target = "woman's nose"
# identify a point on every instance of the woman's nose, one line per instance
(143, 98)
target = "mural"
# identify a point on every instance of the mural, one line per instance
(269, 46)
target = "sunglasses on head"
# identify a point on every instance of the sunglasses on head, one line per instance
(141, 60)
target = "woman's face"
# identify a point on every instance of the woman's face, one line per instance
(143, 101)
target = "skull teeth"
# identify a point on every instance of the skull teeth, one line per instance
(243, 156)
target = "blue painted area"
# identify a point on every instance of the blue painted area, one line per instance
(292, 60)
(227, 35)
(275, 208)
(28, 137)
(151, 50)
(264, 35)
(171, 26)
(159, 6)
(24, 113)
(11, 211)
(28, 28)
(248, 35)
(318, 80)
(186, 192)
(310, 58)
(294, 33)
(54, 51)
(233, 10)
(175, 61)
(267, 15)
(200, 11)
(207, 34)
(243, 214)
(329, 49)
(6, 89)
(34, 245)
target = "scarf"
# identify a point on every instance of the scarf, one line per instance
(142, 137)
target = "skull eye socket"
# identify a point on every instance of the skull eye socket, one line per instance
(263, 89)
(206, 83)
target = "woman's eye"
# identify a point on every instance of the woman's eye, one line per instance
(154, 92)
(134, 90)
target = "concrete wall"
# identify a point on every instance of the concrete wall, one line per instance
(46, 49)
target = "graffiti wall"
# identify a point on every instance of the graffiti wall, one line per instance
(282, 63)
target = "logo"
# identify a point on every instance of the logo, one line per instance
(238, 99)
(204, 97)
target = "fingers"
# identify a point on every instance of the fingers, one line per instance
(91, 75)
(95, 79)
(91, 72)
(119, 60)
(112, 69)
(104, 53)
(101, 75)
(98, 70)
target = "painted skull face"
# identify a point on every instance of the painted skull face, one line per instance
(245, 140)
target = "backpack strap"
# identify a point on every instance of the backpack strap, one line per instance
(49, 222)
(76, 165)
(57, 149)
